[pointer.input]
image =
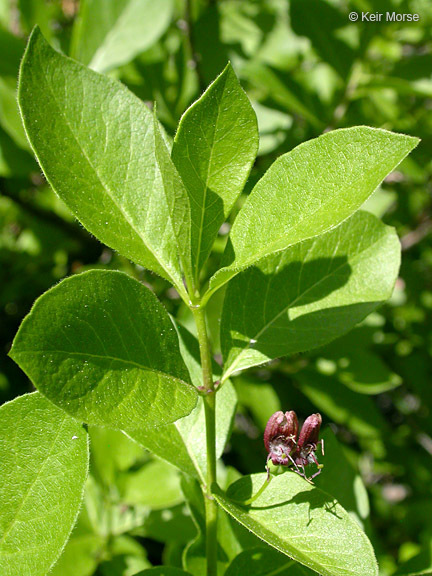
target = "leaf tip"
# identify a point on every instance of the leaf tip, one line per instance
(35, 37)
(228, 69)
(35, 33)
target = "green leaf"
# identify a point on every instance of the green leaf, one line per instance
(156, 485)
(214, 149)
(309, 294)
(341, 480)
(183, 443)
(102, 347)
(43, 467)
(262, 561)
(107, 516)
(83, 550)
(308, 191)
(177, 201)
(109, 34)
(80, 557)
(302, 522)
(112, 452)
(127, 557)
(99, 149)
(167, 443)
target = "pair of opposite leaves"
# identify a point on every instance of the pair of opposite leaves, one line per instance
(100, 345)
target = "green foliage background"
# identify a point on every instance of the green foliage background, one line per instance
(307, 69)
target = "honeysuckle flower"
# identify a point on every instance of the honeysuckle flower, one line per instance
(285, 449)
(280, 436)
(307, 444)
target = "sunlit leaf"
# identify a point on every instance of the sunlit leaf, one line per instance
(102, 347)
(108, 34)
(309, 294)
(43, 467)
(214, 149)
(303, 522)
(100, 150)
(309, 191)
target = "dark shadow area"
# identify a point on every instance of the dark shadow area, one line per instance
(282, 91)
(356, 411)
(419, 564)
(315, 500)
(14, 48)
(213, 54)
(18, 161)
(319, 21)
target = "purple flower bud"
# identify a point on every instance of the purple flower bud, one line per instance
(310, 431)
(280, 436)
(307, 445)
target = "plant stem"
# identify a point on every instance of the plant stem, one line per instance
(211, 508)
(204, 346)
(210, 419)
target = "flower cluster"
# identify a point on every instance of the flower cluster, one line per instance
(283, 446)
